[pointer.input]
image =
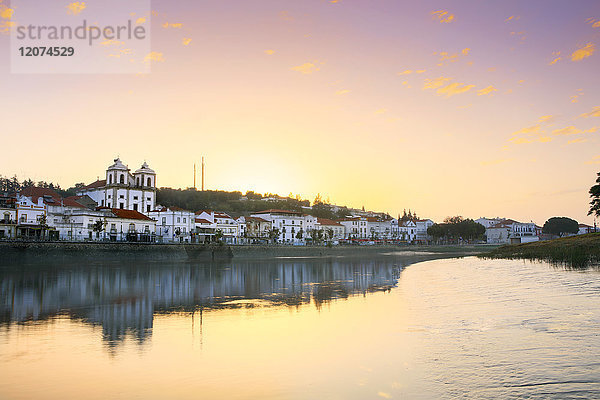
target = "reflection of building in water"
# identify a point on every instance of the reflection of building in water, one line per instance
(123, 300)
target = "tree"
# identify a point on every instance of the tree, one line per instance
(274, 234)
(300, 234)
(560, 225)
(595, 195)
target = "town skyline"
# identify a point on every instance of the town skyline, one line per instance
(485, 109)
(323, 197)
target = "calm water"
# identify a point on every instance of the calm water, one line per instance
(389, 327)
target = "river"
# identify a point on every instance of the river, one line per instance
(394, 326)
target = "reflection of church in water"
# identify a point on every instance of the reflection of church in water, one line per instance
(124, 300)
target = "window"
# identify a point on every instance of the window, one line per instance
(184, 229)
(108, 205)
(178, 219)
(148, 208)
(184, 220)
(122, 179)
(110, 179)
(102, 205)
(131, 228)
(121, 196)
(137, 181)
(135, 207)
(164, 220)
(135, 197)
(149, 182)
(23, 217)
(109, 196)
(121, 206)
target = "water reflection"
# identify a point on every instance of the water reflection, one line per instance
(123, 299)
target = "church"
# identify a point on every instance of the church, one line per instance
(123, 190)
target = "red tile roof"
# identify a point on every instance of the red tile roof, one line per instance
(325, 221)
(129, 214)
(202, 221)
(50, 196)
(255, 219)
(275, 211)
(97, 184)
(72, 202)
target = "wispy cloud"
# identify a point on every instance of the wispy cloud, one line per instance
(495, 162)
(270, 52)
(571, 130)
(555, 58)
(578, 140)
(595, 160)
(454, 89)
(435, 83)
(546, 118)
(575, 98)
(488, 90)
(176, 25)
(186, 41)
(583, 52)
(443, 16)
(285, 15)
(595, 23)
(154, 57)
(466, 51)
(512, 18)
(76, 8)
(306, 68)
(5, 12)
(594, 113)
(342, 91)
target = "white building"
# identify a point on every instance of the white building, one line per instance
(382, 228)
(173, 224)
(422, 226)
(332, 230)
(124, 190)
(408, 231)
(511, 231)
(355, 227)
(583, 229)
(8, 217)
(488, 222)
(224, 225)
(257, 229)
(289, 224)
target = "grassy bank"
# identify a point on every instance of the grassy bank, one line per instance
(577, 251)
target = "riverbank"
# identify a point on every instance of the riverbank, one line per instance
(254, 251)
(24, 252)
(576, 251)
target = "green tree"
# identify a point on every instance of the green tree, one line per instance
(300, 234)
(595, 195)
(560, 226)
(274, 234)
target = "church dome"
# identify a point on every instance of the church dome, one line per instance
(145, 169)
(118, 165)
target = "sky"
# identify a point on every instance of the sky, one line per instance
(473, 108)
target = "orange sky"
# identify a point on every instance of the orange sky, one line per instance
(476, 109)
